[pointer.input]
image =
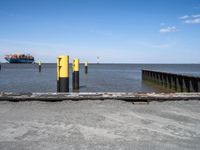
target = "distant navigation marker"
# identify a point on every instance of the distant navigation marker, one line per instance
(97, 59)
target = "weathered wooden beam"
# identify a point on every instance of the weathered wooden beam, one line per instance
(132, 97)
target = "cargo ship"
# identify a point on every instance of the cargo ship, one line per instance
(19, 58)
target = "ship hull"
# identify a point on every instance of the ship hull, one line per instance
(15, 61)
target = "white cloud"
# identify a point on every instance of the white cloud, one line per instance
(184, 17)
(193, 19)
(196, 16)
(168, 29)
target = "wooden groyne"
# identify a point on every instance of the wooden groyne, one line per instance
(176, 82)
(130, 97)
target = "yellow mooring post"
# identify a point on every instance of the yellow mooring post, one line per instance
(75, 74)
(39, 66)
(86, 67)
(63, 74)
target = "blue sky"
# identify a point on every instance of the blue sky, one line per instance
(118, 31)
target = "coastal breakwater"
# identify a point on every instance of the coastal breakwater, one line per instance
(175, 82)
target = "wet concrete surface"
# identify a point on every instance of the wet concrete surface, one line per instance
(109, 124)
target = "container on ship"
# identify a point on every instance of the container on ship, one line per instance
(19, 58)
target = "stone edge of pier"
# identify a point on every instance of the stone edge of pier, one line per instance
(130, 97)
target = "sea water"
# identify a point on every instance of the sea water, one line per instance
(100, 77)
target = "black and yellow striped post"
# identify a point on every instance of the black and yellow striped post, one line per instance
(63, 74)
(39, 66)
(75, 74)
(86, 67)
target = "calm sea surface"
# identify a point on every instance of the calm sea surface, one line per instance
(100, 78)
